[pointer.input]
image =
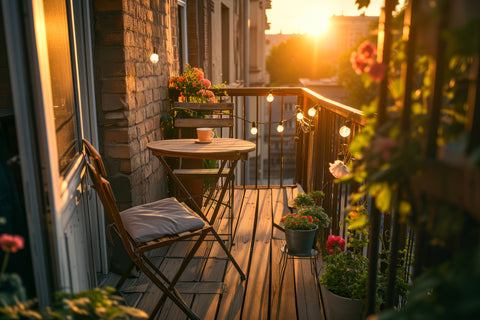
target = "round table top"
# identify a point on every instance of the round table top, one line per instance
(218, 149)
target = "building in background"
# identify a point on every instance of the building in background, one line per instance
(344, 32)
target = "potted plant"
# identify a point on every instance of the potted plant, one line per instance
(299, 233)
(344, 280)
(310, 205)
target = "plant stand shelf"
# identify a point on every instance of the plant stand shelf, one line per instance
(313, 265)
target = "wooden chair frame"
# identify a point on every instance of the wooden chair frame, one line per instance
(136, 250)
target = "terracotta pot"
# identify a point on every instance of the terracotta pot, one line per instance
(341, 308)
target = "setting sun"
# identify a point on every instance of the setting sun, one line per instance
(314, 20)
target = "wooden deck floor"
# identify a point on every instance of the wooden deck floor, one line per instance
(213, 287)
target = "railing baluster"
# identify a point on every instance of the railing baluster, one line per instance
(244, 175)
(256, 143)
(281, 142)
(269, 140)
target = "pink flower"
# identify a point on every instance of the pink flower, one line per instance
(384, 146)
(206, 83)
(199, 73)
(367, 51)
(339, 169)
(10, 243)
(358, 65)
(376, 71)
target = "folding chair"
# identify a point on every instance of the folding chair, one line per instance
(218, 116)
(150, 226)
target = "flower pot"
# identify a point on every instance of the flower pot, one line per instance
(300, 242)
(341, 308)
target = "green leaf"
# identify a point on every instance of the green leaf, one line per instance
(396, 88)
(384, 197)
(405, 208)
(358, 223)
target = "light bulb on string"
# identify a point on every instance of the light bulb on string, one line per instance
(344, 131)
(280, 127)
(154, 56)
(270, 97)
(299, 116)
(254, 129)
(312, 111)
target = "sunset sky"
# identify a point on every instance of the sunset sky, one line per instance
(309, 16)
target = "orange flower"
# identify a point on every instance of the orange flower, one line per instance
(353, 215)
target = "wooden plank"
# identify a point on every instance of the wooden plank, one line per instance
(201, 123)
(232, 299)
(205, 106)
(169, 266)
(308, 299)
(258, 283)
(203, 287)
(283, 288)
(200, 173)
(205, 304)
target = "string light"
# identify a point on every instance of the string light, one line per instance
(280, 127)
(154, 56)
(254, 129)
(305, 124)
(344, 131)
(270, 97)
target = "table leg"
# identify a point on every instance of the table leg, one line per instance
(198, 210)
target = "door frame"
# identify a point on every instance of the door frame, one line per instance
(47, 193)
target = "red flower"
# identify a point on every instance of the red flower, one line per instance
(310, 219)
(334, 243)
(376, 71)
(10, 243)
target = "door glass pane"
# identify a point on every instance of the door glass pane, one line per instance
(61, 76)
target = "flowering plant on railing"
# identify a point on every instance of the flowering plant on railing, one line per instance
(192, 86)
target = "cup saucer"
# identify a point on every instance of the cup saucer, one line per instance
(202, 142)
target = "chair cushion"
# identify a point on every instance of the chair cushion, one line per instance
(158, 219)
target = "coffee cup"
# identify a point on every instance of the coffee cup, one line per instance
(205, 134)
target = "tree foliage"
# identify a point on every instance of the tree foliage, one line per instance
(301, 56)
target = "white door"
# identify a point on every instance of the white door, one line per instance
(59, 55)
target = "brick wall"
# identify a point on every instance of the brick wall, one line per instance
(131, 92)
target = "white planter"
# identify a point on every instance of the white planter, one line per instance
(341, 308)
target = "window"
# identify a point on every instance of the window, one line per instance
(182, 34)
(225, 44)
(62, 81)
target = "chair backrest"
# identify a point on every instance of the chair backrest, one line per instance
(217, 116)
(97, 173)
